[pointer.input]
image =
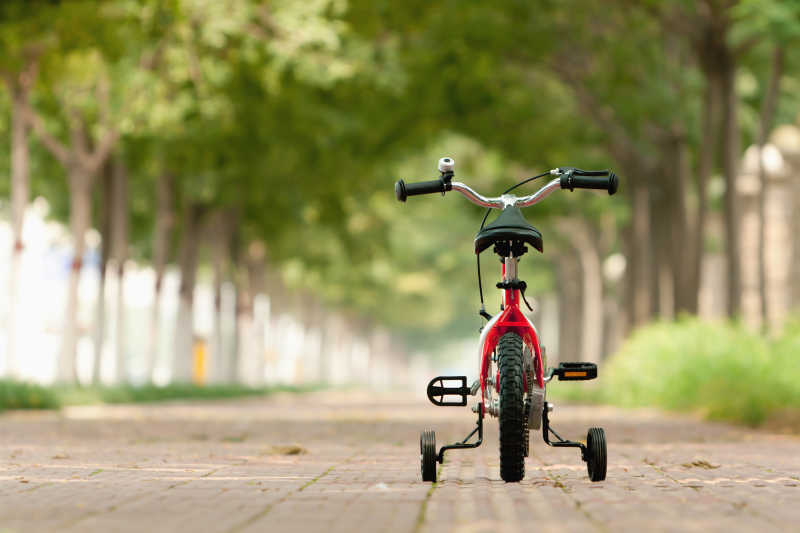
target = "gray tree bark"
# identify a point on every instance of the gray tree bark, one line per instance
(184, 324)
(79, 222)
(162, 233)
(256, 283)
(591, 309)
(639, 257)
(220, 232)
(696, 249)
(730, 169)
(106, 201)
(570, 300)
(119, 251)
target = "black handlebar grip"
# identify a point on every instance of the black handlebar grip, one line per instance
(609, 183)
(403, 190)
(579, 172)
(613, 184)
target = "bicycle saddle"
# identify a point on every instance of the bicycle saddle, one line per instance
(509, 226)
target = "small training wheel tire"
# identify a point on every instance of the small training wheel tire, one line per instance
(427, 455)
(596, 454)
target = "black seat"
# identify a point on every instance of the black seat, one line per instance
(509, 226)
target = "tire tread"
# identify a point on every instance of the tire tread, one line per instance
(597, 464)
(512, 408)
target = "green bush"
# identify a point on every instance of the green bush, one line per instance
(717, 368)
(21, 395)
(786, 354)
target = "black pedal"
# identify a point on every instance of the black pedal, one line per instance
(437, 391)
(575, 371)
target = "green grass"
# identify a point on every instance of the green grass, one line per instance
(72, 395)
(721, 370)
(19, 395)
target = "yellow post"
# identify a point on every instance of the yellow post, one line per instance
(199, 360)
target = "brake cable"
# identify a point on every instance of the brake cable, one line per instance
(523, 182)
(482, 311)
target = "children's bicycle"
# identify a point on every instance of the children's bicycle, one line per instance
(512, 377)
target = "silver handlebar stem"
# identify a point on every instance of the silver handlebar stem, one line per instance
(476, 198)
(506, 200)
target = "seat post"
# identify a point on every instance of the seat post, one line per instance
(511, 266)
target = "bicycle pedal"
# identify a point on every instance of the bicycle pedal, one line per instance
(576, 371)
(437, 391)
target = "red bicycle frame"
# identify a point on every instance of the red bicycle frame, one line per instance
(510, 319)
(517, 414)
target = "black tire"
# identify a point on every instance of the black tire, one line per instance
(596, 454)
(512, 408)
(427, 455)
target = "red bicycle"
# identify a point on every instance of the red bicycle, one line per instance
(512, 378)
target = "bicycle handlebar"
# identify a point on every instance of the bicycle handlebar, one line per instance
(569, 178)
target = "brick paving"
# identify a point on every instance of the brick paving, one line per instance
(233, 467)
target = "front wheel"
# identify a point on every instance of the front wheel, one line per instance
(512, 408)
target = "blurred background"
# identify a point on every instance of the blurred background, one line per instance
(202, 191)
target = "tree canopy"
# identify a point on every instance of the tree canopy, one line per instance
(297, 117)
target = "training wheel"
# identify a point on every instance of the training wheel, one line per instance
(427, 454)
(596, 454)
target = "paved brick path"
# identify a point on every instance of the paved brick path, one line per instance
(231, 467)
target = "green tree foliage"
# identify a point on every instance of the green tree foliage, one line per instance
(297, 117)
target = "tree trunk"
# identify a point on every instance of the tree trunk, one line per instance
(684, 294)
(277, 309)
(767, 113)
(569, 307)
(242, 307)
(296, 311)
(100, 317)
(591, 308)
(708, 143)
(312, 320)
(120, 359)
(79, 217)
(592, 316)
(119, 251)
(256, 286)
(106, 201)
(220, 234)
(320, 318)
(20, 192)
(730, 167)
(216, 348)
(164, 222)
(656, 241)
(244, 367)
(184, 325)
(639, 263)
